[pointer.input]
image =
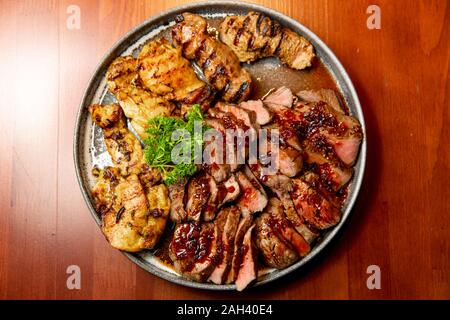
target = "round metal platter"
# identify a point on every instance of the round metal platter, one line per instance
(89, 149)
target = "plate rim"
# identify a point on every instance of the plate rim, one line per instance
(339, 69)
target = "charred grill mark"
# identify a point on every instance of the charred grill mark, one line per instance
(208, 60)
(200, 49)
(258, 22)
(119, 214)
(220, 71)
(239, 93)
(278, 49)
(250, 42)
(179, 18)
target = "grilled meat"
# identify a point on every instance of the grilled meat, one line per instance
(275, 252)
(247, 117)
(198, 194)
(256, 36)
(177, 193)
(253, 198)
(244, 225)
(326, 95)
(135, 220)
(312, 206)
(193, 249)
(263, 115)
(138, 104)
(279, 99)
(123, 147)
(228, 191)
(219, 64)
(249, 266)
(231, 215)
(164, 71)
(281, 226)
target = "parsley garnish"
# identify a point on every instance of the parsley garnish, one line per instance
(159, 144)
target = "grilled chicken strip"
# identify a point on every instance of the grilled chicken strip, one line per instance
(219, 64)
(256, 36)
(122, 145)
(131, 219)
(164, 71)
(138, 104)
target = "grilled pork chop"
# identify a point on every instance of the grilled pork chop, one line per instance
(256, 36)
(219, 64)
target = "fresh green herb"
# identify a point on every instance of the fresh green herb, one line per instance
(160, 143)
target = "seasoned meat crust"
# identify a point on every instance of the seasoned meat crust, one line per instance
(257, 36)
(218, 62)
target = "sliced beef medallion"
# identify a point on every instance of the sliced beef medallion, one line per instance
(283, 227)
(218, 62)
(313, 207)
(279, 99)
(228, 191)
(244, 224)
(328, 96)
(198, 194)
(246, 116)
(273, 250)
(253, 198)
(263, 115)
(228, 229)
(193, 249)
(248, 271)
(177, 193)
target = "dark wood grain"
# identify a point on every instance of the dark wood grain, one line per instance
(401, 220)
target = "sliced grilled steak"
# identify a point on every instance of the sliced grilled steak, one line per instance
(177, 194)
(281, 226)
(263, 115)
(198, 193)
(193, 249)
(313, 207)
(249, 266)
(218, 62)
(247, 117)
(328, 96)
(211, 207)
(226, 248)
(229, 191)
(253, 198)
(279, 99)
(274, 251)
(244, 224)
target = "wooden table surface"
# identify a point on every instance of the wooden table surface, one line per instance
(401, 221)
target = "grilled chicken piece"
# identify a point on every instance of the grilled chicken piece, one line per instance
(244, 224)
(256, 36)
(313, 207)
(228, 230)
(328, 96)
(165, 72)
(140, 219)
(139, 105)
(198, 195)
(177, 196)
(263, 115)
(275, 252)
(193, 249)
(281, 226)
(103, 191)
(219, 64)
(248, 271)
(122, 145)
(253, 198)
